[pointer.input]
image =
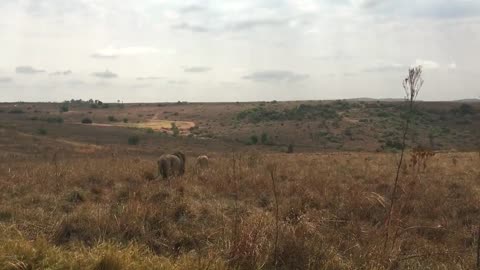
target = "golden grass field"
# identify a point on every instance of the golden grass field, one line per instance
(105, 210)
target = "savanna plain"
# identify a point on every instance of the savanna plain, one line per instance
(289, 185)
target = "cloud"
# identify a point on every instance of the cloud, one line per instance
(368, 3)
(5, 80)
(141, 85)
(191, 27)
(191, 9)
(197, 69)
(452, 65)
(27, 70)
(177, 82)
(150, 78)
(243, 25)
(275, 76)
(382, 66)
(436, 9)
(111, 52)
(75, 83)
(251, 24)
(61, 73)
(105, 74)
(427, 64)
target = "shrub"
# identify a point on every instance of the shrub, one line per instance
(149, 130)
(112, 118)
(56, 119)
(42, 131)
(301, 112)
(133, 140)
(16, 111)
(64, 107)
(125, 120)
(253, 139)
(464, 109)
(290, 148)
(175, 130)
(348, 132)
(264, 138)
(393, 144)
(87, 121)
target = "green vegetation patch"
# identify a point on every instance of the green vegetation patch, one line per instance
(300, 112)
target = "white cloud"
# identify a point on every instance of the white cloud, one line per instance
(112, 52)
(197, 69)
(5, 80)
(107, 74)
(368, 3)
(452, 65)
(427, 64)
(276, 76)
(385, 66)
(28, 70)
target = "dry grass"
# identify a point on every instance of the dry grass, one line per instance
(100, 212)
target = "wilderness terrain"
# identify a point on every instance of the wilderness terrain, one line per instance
(78, 186)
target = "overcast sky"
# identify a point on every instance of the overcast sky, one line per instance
(221, 50)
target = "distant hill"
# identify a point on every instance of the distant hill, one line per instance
(362, 124)
(468, 100)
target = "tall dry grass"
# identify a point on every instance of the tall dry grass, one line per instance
(106, 212)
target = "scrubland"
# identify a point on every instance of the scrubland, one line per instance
(249, 210)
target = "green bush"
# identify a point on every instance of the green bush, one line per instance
(175, 130)
(264, 138)
(301, 112)
(125, 120)
(64, 107)
(112, 118)
(16, 111)
(393, 144)
(87, 121)
(133, 140)
(42, 131)
(57, 119)
(253, 139)
(290, 148)
(464, 109)
(150, 130)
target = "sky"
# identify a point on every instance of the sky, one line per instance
(248, 50)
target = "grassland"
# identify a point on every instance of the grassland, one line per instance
(79, 197)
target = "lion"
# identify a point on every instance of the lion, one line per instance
(202, 162)
(170, 165)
